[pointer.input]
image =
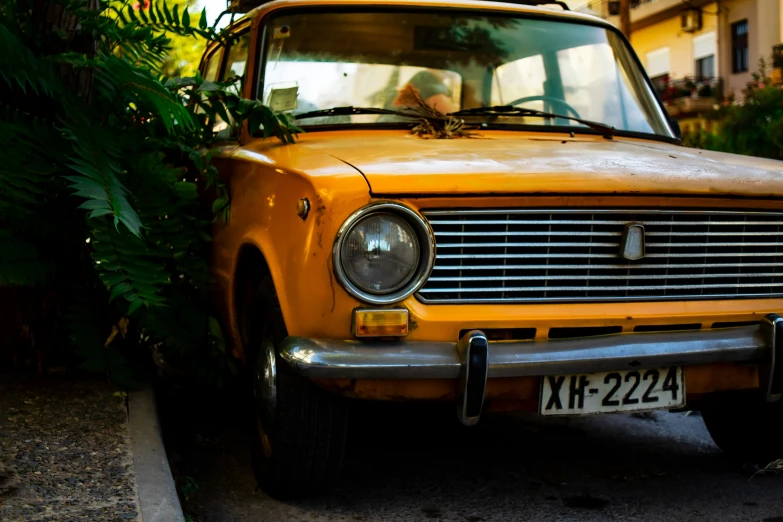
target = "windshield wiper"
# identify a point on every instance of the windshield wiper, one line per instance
(348, 111)
(496, 110)
(509, 110)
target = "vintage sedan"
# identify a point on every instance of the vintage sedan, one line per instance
(490, 207)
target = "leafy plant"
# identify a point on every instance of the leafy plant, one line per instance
(705, 91)
(754, 127)
(107, 189)
(189, 488)
(185, 53)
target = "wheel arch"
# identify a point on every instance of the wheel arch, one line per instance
(252, 267)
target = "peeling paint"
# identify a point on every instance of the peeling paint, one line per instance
(320, 210)
(330, 275)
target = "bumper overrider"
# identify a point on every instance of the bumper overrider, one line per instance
(473, 359)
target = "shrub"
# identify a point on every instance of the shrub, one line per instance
(754, 128)
(107, 192)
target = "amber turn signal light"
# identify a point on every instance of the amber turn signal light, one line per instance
(380, 322)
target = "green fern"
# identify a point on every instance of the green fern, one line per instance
(19, 67)
(102, 192)
(96, 158)
(30, 150)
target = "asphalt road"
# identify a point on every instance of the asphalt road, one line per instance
(405, 465)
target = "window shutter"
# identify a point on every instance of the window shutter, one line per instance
(658, 62)
(704, 45)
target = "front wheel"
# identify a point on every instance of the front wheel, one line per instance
(745, 428)
(298, 430)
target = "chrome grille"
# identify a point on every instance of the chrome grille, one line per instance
(488, 256)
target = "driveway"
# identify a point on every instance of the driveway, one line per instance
(419, 464)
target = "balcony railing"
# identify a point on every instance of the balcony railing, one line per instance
(690, 95)
(689, 87)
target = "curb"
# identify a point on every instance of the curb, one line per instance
(157, 491)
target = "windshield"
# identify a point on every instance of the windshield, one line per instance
(454, 60)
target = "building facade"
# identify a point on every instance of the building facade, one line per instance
(699, 51)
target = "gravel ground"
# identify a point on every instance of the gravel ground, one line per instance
(64, 452)
(415, 463)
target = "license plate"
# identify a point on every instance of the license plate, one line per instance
(608, 392)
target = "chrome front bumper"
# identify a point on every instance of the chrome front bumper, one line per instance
(339, 359)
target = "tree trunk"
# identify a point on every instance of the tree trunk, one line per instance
(60, 31)
(625, 17)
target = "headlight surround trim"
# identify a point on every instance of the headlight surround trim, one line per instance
(426, 240)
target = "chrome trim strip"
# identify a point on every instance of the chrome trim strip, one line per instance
(629, 351)
(426, 255)
(586, 222)
(543, 256)
(595, 288)
(640, 298)
(539, 245)
(567, 244)
(588, 234)
(594, 267)
(593, 211)
(702, 245)
(600, 278)
(531, 233)
(769, 327)
(339, 359)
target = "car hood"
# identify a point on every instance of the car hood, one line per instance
(397, 163)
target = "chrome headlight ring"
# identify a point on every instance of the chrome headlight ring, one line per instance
(424, 235)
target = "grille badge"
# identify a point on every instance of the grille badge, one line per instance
(632, 243)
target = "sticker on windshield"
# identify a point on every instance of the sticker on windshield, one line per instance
(281, 31)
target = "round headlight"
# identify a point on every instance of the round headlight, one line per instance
(383, 253)
(380, 253)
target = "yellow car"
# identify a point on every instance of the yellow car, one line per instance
(490, 208)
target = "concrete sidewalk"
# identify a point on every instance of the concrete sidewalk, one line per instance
(66, 453)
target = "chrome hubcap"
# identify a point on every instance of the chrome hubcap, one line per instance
(265, 384)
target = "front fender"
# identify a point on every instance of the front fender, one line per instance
(266, 186)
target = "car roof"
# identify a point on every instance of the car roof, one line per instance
(507, 6)
(510, 6)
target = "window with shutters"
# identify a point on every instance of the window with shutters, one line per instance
(704, 50)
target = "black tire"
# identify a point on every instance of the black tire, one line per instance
(298, 445)
(745, 428)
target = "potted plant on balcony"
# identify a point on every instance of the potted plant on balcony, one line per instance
(705, 90)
